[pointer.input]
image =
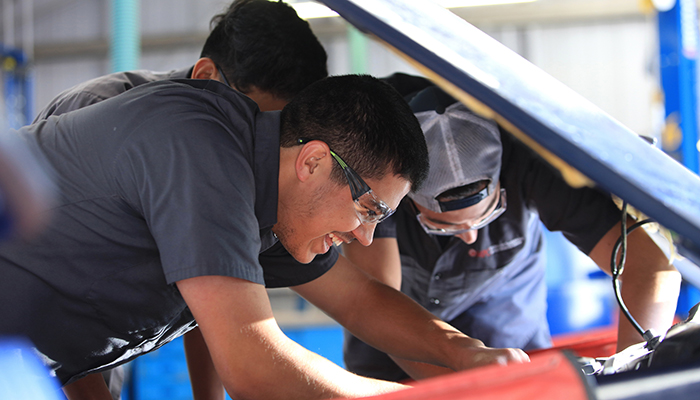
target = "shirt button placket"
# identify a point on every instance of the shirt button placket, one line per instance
(435, 301)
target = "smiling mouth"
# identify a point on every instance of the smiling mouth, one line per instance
(338, 239)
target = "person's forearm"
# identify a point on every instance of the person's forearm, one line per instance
(91, 387)
(297, 374)
(393, 323)
(650, 287)
(206, 384)
(252, 356)
(410, 327)
(652, 303)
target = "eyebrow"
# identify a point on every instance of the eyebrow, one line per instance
(437, 221)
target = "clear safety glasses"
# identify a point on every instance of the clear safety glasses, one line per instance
(369, 208)
(451, 230)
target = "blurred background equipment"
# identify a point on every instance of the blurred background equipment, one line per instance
(25, 193)
(16, 87)
(23, 375)
(25, 189)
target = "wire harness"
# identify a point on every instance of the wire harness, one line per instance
(618, 267)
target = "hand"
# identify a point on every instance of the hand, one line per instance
(475, 355)
(479, 356)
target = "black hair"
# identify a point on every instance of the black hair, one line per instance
(265, 44)
(461, 192)
(363, 120)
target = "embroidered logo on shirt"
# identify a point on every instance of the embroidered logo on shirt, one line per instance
(491, 250)
(480, 254)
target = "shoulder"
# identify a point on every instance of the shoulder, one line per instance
(184, 99)
(101, 88)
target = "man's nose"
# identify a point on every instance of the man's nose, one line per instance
(469, 237)
(364, 233)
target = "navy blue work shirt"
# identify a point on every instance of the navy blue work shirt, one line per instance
(494, 289)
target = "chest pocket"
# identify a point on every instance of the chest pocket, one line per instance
(447, 292)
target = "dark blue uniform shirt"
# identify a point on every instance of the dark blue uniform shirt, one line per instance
(493, 289)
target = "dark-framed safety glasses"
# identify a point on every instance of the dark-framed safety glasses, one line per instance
(459, 229)
(370, 209)
(221, 72)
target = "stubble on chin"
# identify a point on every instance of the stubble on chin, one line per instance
(296, 249)
(286, 234)
(298, 212)
(283, 232)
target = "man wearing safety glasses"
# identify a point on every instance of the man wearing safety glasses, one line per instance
(179, 202)
(269, 66)
(468, 244)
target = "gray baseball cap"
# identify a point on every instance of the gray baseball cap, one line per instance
(463, 147)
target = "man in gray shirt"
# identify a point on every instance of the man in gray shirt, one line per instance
(168, 193)
(268, 65)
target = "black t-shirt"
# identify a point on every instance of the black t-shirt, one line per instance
(168, 181)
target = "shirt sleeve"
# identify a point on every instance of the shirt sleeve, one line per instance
(99, 89)
(189, 174)
(583, 215)
(66, 102)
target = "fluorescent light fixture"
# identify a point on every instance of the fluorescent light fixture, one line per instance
(312, 9)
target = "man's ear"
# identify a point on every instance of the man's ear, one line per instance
(205, 68)
(311, 160)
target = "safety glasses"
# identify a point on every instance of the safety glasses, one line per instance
(221, 72)
(369, 208)
(429, 227)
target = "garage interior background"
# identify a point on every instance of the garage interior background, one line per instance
(606, 50)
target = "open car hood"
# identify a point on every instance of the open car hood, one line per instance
(586, 144)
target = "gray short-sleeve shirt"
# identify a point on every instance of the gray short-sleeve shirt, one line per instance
(170, 180)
